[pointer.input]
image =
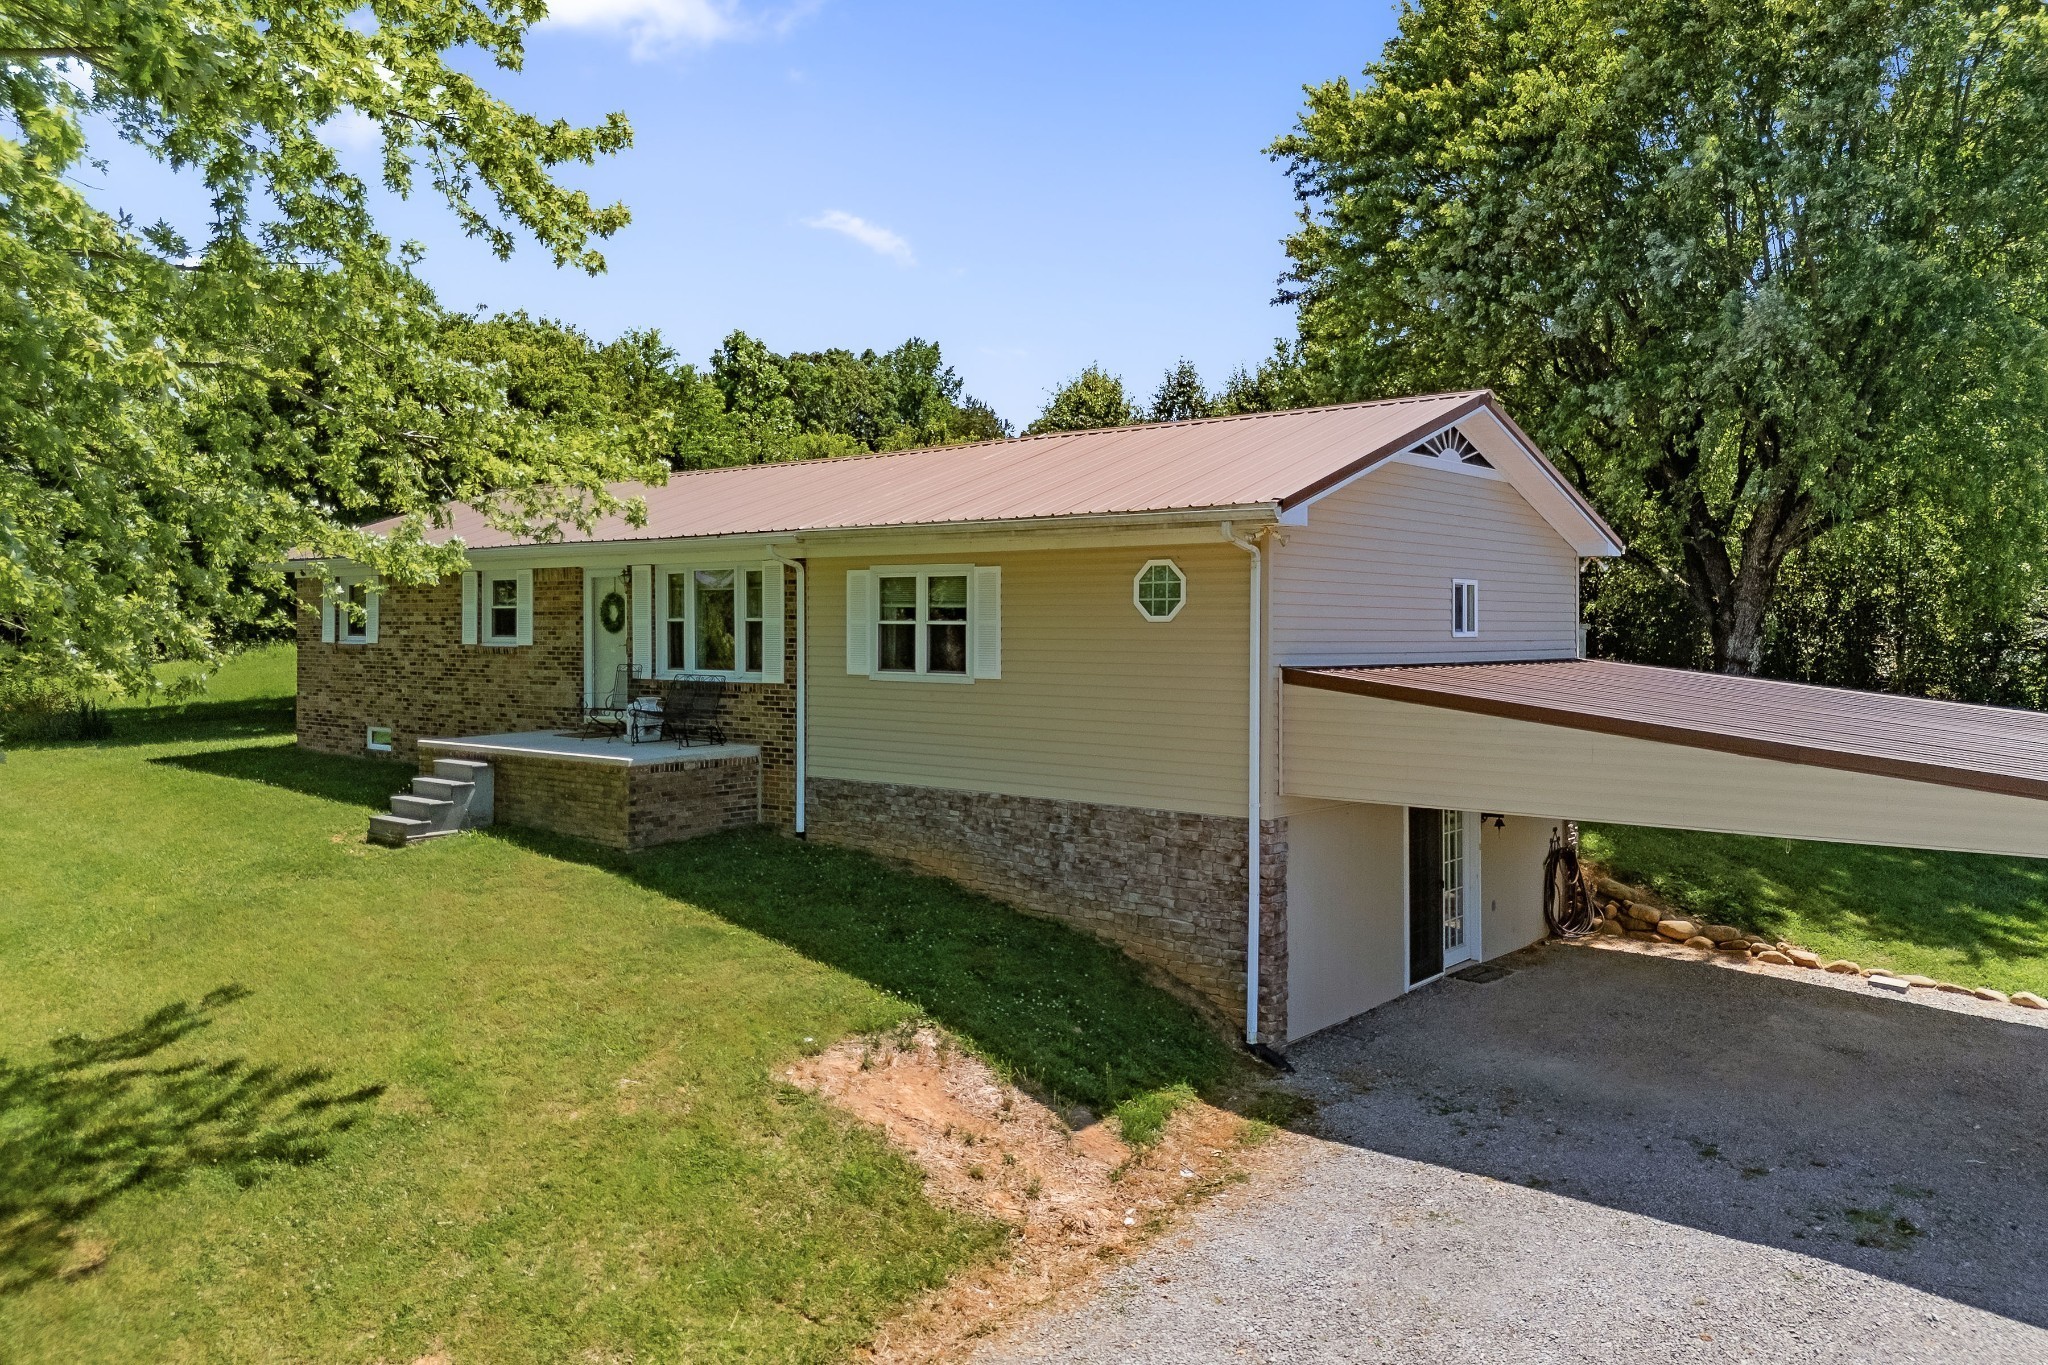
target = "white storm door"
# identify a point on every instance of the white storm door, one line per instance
(1461, 925)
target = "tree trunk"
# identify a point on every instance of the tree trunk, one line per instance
(1738, 612)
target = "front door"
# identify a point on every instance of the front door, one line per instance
(606, 605)
(1440, 930)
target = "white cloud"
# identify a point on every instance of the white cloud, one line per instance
(657, 27)
(352, 130)
(873, 236)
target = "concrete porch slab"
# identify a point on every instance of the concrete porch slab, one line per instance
(553, 744)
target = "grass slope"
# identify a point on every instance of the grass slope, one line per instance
(507, 1096)
(1965, 917)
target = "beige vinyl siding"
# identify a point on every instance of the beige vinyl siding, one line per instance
(1346, 919)
(1352, 748)
(1095, 702)
(1368, 580)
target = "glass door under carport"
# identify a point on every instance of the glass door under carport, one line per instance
(1443, 891)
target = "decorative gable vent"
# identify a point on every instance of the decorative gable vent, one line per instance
(1450, 444)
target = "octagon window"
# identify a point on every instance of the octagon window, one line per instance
(1160, 590)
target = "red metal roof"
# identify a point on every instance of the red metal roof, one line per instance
(1986, 748)
(1224, 462)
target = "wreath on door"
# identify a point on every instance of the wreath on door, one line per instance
(611, 612)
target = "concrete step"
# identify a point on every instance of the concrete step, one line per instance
(477, 805)
(396, 831)
(439, 814)
(443, 788)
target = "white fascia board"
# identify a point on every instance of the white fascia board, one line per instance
(1195, 526)
(1533, 478)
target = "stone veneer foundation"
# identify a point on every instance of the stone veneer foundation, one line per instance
(1167, 887)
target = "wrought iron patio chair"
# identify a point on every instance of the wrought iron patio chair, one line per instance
(606, 715)
(689, 711)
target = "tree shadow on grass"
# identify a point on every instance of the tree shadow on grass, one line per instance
(1066, 1014)
(105, 1115)
(1982, 907)
(367, 782)
(186, 722)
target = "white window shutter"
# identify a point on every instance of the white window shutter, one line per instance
(643, 620)
(523, 630)
(986, 613)
(329, 593)
(469, 595)
(370, 600)
(771, 620)
(860, 621)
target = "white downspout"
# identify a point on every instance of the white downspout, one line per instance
(1255, 846)
(802, 659)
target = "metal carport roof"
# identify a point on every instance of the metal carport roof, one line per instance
(1599, 740)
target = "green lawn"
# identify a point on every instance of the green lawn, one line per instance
(1964, 917)
(268, 1092)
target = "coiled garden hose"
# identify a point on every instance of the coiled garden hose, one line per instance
(1567, 909)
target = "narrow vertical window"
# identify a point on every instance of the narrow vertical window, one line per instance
(716, 621)
(756, 661)
(504, 608)
(678, 620)
(896, 630)
(946, 623)
(355, 619)
(1464, 606)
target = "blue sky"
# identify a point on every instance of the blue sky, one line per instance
(1033, 186)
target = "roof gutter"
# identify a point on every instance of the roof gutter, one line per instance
(802, 746)
(1254, 844)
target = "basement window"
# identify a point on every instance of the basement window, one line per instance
(1464, 606)
(379, 739)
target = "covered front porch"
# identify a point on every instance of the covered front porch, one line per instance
(1495, 758)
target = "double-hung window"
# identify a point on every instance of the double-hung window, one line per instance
(497, 607)
(941, 622)
(716, 621)
(348, 613)
(922, 626)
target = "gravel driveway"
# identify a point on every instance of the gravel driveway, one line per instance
(1612, 1157)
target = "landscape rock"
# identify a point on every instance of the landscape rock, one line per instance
(1952, 988)
(1986, 993)
(1925, 983)
(1721, 933)
(2029, 1000)
(1699, 941)
(1889, 983)
(1607, 926)
(1736, 947)
(1844, 966)
(1648, 914)
(1619, 891)
(1801, 958)
(1774, 957)
(1679, 929)
(1643, 933)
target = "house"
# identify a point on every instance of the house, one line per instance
(1305, 680)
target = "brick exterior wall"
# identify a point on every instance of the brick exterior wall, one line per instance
(423, 682)
(614, 805)
(1167, 887)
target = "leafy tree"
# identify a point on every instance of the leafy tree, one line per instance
(1755, 273)
(177, 415)
(1278, 382)
(1092, 398)
(1180, 395)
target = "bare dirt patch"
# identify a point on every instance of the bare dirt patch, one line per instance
(1079, 1199)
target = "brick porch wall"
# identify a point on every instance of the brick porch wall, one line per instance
(617, 806)
(423, 682)
(1167, 887)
